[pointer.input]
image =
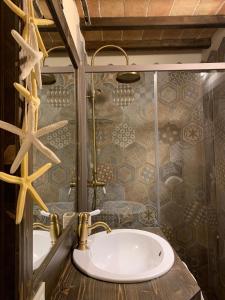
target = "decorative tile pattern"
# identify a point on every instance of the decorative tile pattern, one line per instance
(149, 216)
(168, 94)
(170, 169)
(58, 103)
(123, 135)
(169, 134)
(123, 95)
(147, 173)
(105, 173)
(60, 138)
(59, 96)
(182, 77)
(191, 94)
(192, 133)
(125, 173)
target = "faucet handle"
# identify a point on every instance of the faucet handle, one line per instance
(95, 212)
(45, 213)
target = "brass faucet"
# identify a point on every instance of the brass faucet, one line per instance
(53, 228)
(83, 229)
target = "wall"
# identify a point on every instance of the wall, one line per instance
(126, 147)
(144, 58)
(58, 103)
(214, 112)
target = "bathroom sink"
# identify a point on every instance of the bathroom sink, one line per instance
(41, 246)
(125, 255)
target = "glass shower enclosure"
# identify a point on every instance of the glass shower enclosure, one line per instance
(160, 144)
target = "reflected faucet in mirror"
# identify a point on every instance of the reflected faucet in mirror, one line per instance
(53, 228)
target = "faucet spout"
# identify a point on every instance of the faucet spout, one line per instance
(83, 229)
(100, 224)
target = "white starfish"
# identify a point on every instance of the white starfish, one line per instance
(34, 57)
(31, 136)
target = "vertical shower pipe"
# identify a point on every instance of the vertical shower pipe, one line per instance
(157, 177)
(95, 183)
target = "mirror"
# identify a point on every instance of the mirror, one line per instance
(58, 186)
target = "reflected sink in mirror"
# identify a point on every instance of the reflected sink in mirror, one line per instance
(41, 247)
(125, 255)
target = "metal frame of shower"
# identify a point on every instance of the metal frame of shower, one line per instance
(155, 68)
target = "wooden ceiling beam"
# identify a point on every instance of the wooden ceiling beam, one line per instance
(137, 23)
(176, 44)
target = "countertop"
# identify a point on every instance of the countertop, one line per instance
(177, 284)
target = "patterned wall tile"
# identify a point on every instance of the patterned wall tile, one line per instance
(186, 235)
(125, 173)
(60, 138)
(135, 154)
(182, 77)
(147, 173)
(168, 94)
(191, 94)
(169, 134)
(123, 135)
(192, 133)
(105, 172)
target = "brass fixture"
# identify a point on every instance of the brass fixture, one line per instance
(49, 79)
(83, 229)
(122, 77)
(53, 228)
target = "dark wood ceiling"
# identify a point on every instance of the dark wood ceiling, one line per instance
(181, 25)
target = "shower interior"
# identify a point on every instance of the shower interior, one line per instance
(158, 143)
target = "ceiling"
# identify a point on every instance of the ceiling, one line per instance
(148, 25)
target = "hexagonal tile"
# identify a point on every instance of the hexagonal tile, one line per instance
(170, 169)
(172, 214)
(169, 134)
(58, 175)
(105, 172)
(136, 154)
(147, 173)
(192, 133)
(125, 173)
(182, 77)
(191, 94)
(185, 234)
(123, 135)
(168, 94)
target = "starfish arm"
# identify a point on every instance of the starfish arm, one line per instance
(25, 32)
(31, 118)
(35, 56)
(43, 22)
(40, 43)
(20, 155)
(46, 151)
(50, 128)
(11, 128)
(10, 179)
(39, 172)
(37, 198)
(19, 12)
(26, 94)
(21, 203)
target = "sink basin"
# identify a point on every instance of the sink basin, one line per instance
(125, 255)
(41, 246)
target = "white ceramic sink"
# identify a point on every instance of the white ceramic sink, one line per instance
(125, 255)
(41, 246)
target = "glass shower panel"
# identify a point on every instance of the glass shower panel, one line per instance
(182, 167)
(58, 103)
(125, 134)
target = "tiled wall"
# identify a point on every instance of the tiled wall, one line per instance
(58, 103)
(126, 160)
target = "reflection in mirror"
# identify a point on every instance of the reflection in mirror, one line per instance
(57, 187)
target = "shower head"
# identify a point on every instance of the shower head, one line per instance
(128, 77)
(48, 79)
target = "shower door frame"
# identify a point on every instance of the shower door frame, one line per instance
(155, 68)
